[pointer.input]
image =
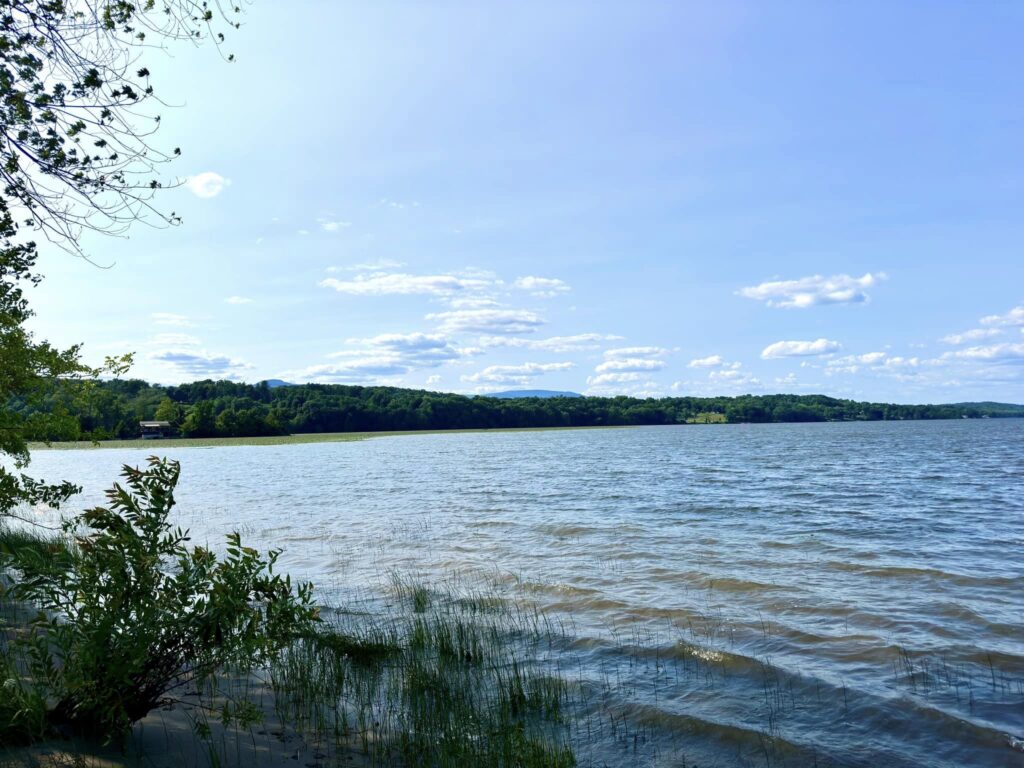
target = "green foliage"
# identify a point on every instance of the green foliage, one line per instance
(74, 121)
(231, 409)
(170, 411)
(74, 156)
(43, 390)
(131, 612)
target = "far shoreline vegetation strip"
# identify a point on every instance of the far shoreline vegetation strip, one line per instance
(114, 409)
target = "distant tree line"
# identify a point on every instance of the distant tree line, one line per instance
(113, 409)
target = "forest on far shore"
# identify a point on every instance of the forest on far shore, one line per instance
(113, 409)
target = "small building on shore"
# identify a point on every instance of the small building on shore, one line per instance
(152, 430)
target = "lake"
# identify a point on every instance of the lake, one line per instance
(843, 594)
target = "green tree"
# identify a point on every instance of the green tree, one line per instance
(74, 156)
(200, 421)
(143, 612)
(169, 411)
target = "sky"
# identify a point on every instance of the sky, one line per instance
(651, 199)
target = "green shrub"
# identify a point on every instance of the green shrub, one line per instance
(135, 612)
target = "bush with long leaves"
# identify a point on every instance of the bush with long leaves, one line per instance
(130, 612)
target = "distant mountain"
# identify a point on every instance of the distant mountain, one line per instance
(515, 393)
(273, 383)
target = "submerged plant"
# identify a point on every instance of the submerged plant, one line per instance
(130, 612)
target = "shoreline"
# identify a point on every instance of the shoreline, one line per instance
(296, 439)
(344, 437)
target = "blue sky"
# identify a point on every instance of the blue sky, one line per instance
(634, 198)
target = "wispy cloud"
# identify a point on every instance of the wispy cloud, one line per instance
(201, 364)
(629, 364)
(488, 321)
(207, 184)
(874, 361)
(993, 353)
(542, 287)
(575, 343)
(387, 355)
(604, 379)
(814, 290)
(975, 334)
(1013, 318)
(713, 361)
(621, 352)
(413, 350)
(627, 370)
(515, 374)
(800, 348)
(169, 318)
(328, 225)
(238, 300)
(734, 378)
(379, 265)
(384, 284)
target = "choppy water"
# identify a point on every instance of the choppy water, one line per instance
(818, 594)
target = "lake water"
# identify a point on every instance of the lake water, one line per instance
(805, 594)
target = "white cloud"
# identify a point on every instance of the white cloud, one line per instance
(238, 300)
(358, 371)
(734, 379)
(627, 370)
(632, 384)
(435, 379)
(515, 374)
(411, 349)
(472, 302)
(975, 334)
(1014, 318)
(994, 353)
(374, 266)
(207, 184)
(629, 364)
(814, 290)
(635, 352)
(542, 287)
(901, 362)
(200, 363)
(576, 343)
(333, 226)
(713, 361)
(384, 284)
(604, 379)
(868, 358)
(491, 321)
(800, 348)
(169, 318)
(380, 358)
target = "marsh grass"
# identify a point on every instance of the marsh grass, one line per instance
(447, 679)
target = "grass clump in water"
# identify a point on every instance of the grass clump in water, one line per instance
(438, 684)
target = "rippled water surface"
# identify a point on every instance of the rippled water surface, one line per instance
(830, 594)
